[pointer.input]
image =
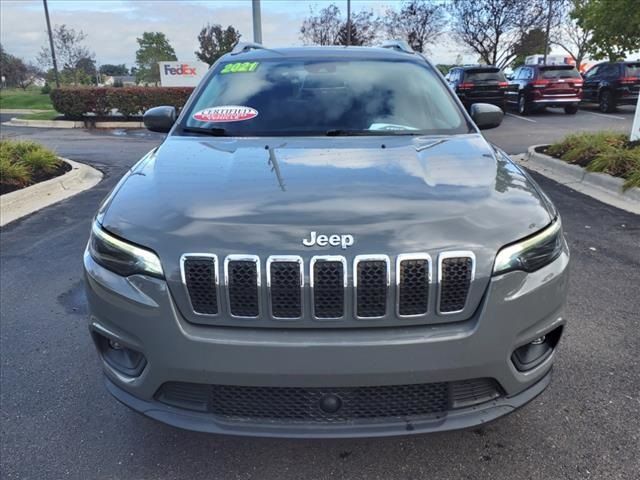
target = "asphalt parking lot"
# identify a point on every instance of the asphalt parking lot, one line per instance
(59, 422)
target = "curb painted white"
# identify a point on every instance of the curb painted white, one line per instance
(20, 122)
(21, 110)
(603, 187)
(27, 200)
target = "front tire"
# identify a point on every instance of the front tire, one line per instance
(524, 108)
(607, 104)
(571, 109)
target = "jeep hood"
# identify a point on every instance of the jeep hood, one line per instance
(264, 195)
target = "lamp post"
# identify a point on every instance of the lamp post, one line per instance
(53, 51)
(257, 22)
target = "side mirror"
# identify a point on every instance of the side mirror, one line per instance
(159, 119)
(486, 115)
(509, 77)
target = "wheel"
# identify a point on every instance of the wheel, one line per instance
(607, 105)
(523, 106)
(571, 109)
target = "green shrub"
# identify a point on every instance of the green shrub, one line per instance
(605, 152)
(22, 162)
(78, 101)
(46, 89)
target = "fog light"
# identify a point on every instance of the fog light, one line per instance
(537, 351)
(123, 359)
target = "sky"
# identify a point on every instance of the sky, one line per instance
(113, 25)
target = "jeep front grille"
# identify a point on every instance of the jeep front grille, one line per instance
(323, 292)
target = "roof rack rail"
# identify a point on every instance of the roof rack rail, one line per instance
(399, 45)
(242, 47)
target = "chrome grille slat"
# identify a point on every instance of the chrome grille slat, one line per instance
(285, 281)
(413, 280)
(328, 281)
(456, 272)
(199, 273)
(242, 279)
(371, 279)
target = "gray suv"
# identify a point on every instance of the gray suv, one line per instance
(325, 245)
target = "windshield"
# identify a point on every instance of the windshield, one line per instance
(484, 75)
(320, 97)
(632, 70)
(551, 73)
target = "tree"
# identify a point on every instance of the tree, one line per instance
(17, 73)
(492, 28)
(114, 70)
(614, 26)
(69, 51)
(327, 27)
(154, 47)
(215, 42)
(572, 38)
(322, 28)
(364, 29)
(419, 23)
(532, 42)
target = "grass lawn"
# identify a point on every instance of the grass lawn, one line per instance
(45, 115)
(29, 98)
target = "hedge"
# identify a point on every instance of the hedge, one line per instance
(78, 101)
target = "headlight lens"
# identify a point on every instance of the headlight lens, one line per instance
(532, 253)
(121, 257)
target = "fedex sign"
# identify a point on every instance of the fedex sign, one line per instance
(182, 74)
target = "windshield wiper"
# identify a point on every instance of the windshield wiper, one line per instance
(350, 133)
(214, 131)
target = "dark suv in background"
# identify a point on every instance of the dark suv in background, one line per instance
(537, 86)
(478, 84)
(610, 84)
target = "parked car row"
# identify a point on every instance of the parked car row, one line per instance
(534, 87)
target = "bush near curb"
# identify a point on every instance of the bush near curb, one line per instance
(76, 102)
(23, 163)
(605, 152)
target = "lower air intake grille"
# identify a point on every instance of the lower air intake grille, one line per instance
(286, 291)
(413, 284)
(242, 288)
(328, 289)
(455, 280)
(371, 290)
(200, 279)
(298, 404)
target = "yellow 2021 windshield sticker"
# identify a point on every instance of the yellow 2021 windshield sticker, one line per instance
(240, 67)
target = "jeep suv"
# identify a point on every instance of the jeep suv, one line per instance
(325, 245)
(610, 84)
(478, 84)
(534, 87)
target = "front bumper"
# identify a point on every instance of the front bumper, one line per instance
(138, 312)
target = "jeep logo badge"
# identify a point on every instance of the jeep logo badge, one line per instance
(334, 240)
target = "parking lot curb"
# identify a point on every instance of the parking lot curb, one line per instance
(20, 122)
(22, 202)
(601, 186)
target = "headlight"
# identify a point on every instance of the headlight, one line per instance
(531, 253)
(121, 257)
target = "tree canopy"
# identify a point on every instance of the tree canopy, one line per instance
(154, 47)
(73, 57)
(215, 42)
(614, 26)
(418, 22)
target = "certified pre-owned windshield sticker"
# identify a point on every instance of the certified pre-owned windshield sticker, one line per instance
(240, 67)
(226, 113)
